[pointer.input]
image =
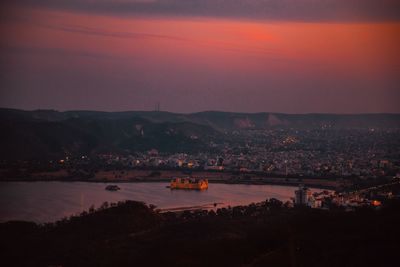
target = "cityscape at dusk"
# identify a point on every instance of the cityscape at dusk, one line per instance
(199, 133)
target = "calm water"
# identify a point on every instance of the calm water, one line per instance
(50, 201)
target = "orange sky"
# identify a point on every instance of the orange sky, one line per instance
(253, 54)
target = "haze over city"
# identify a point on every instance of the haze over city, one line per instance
(243, 56)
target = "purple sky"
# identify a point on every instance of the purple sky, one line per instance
(291, 56)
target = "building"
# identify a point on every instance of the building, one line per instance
(189, 183)
(302, 195)
(314, 203)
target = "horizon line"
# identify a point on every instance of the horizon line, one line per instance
(204, 111)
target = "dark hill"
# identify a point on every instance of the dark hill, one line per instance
(220, 120)
(49, 133)
(133, 234)
(25, 136)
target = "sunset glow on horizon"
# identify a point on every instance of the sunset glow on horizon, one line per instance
(110, 62)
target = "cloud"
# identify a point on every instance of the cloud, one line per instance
(288, 10)
(102, 32)
(52, 51)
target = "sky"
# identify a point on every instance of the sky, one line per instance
(289, 56)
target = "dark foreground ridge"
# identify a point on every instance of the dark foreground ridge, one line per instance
(264, 234)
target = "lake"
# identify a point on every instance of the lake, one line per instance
(50, 201)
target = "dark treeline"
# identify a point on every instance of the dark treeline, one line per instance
(263, 234)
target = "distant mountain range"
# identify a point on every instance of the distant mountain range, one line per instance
(49, 133)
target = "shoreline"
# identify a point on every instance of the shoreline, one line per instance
(258, 182)
(208, 206)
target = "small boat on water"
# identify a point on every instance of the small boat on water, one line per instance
(189, 183)
(112, 187)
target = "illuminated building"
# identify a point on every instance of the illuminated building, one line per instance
(187, 183)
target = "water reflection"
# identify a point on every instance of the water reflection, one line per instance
(49, 201)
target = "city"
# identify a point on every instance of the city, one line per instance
(346, 157)
(199, 133)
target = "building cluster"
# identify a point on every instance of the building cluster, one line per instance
(373, 196)
(304, 197)
(334, 153)
(362, 153)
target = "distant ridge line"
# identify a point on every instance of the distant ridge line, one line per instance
(199, 112)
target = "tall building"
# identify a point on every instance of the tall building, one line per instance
(302, 195)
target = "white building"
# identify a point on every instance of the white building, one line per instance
(302, 195)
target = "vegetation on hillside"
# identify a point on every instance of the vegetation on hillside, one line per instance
(266, 234)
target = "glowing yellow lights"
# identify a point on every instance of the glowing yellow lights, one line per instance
(187, 183)
(376, 203)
